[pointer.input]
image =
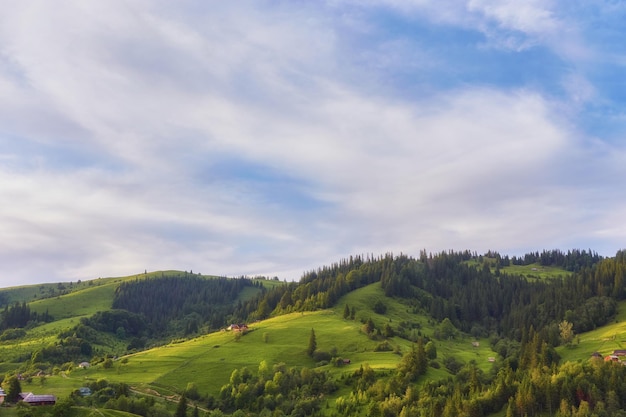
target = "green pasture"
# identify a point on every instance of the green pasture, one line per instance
(209, 360)
(26, 292)
(84, 302)
(535, 271)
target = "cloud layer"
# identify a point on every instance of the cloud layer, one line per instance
(275, 138)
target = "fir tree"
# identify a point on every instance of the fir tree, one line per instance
(312, 344)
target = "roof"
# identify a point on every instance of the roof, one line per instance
(29, 397)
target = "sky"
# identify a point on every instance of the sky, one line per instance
(275, 137)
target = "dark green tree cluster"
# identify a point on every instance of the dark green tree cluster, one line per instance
(317, 289)
(572, 260)
(183, 302)
(19, 315)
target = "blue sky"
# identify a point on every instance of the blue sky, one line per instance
(275, 137)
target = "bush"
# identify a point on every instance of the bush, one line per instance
(452, 364)
(11, 334)
(380, 307)
(383, 347)
(320, 355)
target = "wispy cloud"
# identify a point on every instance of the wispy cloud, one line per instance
(275, 138)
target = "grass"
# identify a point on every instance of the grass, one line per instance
(536, 271)
(209, 360)
(604, 340)
(84, 302)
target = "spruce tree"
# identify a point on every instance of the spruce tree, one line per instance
(312, 344)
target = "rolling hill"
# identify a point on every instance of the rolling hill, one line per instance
(449, 334)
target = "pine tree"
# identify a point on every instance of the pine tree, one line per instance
(421, 359)
(312, 344)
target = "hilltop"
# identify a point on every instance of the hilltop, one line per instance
(456, 333)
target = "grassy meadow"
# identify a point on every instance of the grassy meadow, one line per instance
(209, 360)
(603, 340)
(536, 271)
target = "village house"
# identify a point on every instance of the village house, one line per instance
(238, 328)
(33, 399)
(2, 395)
(84, 365)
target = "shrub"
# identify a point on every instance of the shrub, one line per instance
(452, 364)
(320, 355)
(383, 347)
(380, 307)
(11, 334)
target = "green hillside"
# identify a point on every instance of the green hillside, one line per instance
(209, 360)
(450, 334)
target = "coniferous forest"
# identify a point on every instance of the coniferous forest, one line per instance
(525, 319)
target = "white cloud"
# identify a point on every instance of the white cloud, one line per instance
(154, 104)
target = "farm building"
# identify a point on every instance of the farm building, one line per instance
(32, 399)
(238, 327)
(2, 395)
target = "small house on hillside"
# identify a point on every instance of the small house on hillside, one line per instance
(84, 365)
(619, 352)
(475, 344)
(84, 391)
(33, 399)
(238, 327)
(2, 395)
